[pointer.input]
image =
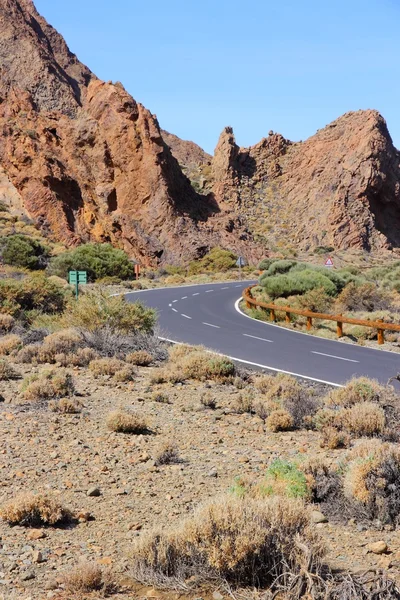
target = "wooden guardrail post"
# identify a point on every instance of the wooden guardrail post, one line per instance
(309, 323)
(272, 315)
(287, 317)
(339, 328)
(381, 334)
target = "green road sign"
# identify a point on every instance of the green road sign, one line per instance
(77, 277)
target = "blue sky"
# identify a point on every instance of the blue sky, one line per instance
(291, 66)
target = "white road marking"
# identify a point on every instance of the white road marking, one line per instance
(238, 286)
(174, 301)
(174, 309)
(210, 325)
(332, 356)
(225, 288)
(258, 338)
(169, 304)
(183, 297)
(186, 317)
(196, 294)
(253, 364)
(208, 291)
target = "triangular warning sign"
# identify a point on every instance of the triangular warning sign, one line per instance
(329, 262)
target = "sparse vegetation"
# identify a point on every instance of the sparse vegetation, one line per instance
(47, 385)
(35, 510)
(121, 421)
(23, 251)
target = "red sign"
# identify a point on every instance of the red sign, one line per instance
(329, 262)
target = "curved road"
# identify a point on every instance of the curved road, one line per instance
(208, 315)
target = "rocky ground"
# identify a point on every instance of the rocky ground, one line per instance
(114, 479)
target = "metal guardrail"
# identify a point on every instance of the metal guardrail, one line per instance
(380, 325)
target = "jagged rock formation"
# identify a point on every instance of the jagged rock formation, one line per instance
(90, 163)
(340, 188)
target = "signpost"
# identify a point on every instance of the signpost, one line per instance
(75, 278)
(329, 262)
(240, 263)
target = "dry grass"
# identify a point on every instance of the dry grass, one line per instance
(31, 510)
(128, 373)
(366, 419)
(84, 577)
(243, 541)
(48, 385)
(9, 343)
(7, 371)
(140, 358)
(194, 362)
(7, 322)
(80, 358)
(124, 422)
(279, 420)
(106, 366)
(357, 391)
(333, 438)
(28, 354)
(65, 341)
(167, 454)
(66, 406)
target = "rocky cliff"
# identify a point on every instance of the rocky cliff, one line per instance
(87, 161)
(339, 188)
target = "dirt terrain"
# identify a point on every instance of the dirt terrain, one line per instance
(76, 456)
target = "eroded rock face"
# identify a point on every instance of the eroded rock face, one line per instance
(341, 187)
(90, 163)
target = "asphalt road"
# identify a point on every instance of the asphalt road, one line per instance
(208, 315)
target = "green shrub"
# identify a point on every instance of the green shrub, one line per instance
(216, 261)
(266, 263)
(99, 260)
(280, 267)
(34, 293)
(284, 479)
(292, 284)
(94, 310)
(22, 251)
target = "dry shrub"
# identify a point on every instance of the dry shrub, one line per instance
(7, 322)
(66, 406)
(126, 374)
(243, 541)
(333, 438)
(7, 371)
(243, 403)
(372, 481)
(357, 391)
(366, 419)
(168, 454)
(160, 397)
(285, 392)
(84, 577)
(279, 420)
(9, 343)
(81, 358)
(208, 401)
(194, 362)
(106, 366)
(65, 341)
(123, 422)
(28, 354)
(48, 385)
(140, 358)
(35, 510)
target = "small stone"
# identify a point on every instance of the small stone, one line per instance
(378, 547)
(36, 534)
(318, 517)
(94, 492)
(212, 473)
(37, 556)
(28, 575)
(217, 595)
(152, 593)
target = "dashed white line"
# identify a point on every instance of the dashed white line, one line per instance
(183, 297)
(174, 309)
(238, 286)
(196, 294)
(169, 304)
(174, 301)
(208, 291)
(258, 338)
(333, 356)
(186, 316)
(225, 288)
(211, 325)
